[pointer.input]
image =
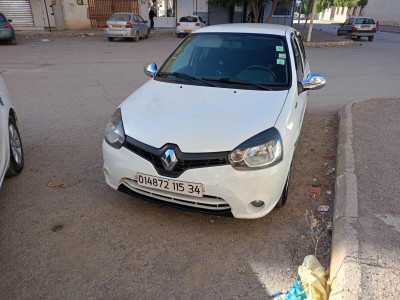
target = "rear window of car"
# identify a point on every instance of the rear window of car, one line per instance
(188, 19)
(2, 18)
(120, 17)
(365, 21)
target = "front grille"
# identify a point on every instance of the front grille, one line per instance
(185, 162)
(206, 204)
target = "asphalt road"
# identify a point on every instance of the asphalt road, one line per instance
(65, 234)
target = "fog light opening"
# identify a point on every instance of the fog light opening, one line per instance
(257, 203)
(106, 173)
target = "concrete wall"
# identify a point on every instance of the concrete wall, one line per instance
(37, 13)
(75, 15)
(386, 11)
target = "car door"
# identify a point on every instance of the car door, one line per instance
(4, 146)
(302, 71)
(143, 26)
(347, 26)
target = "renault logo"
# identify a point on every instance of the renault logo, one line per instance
(169, 159)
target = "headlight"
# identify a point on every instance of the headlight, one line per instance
(115, 135)
(261, 151)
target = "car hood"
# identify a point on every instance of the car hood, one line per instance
(198, 118)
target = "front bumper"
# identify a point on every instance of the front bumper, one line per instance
(225, 189)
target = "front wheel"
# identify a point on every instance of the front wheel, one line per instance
(349, 36)
(110, 39)
(370, 38)
(147, 34)
(338, 33)
(285, 192)
(16, 151)
(136, 38)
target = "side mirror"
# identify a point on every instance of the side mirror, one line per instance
(146, 21)
(314, 81)
(9, 20)
(204, 22)
(150, 69)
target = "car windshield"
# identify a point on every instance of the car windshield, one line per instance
(120, 17)
(247, 61)
(365, 21)
(188, 19)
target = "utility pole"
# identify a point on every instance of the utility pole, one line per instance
(311, 20)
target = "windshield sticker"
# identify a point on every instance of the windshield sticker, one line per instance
(279, 48)
(280, 61)
(1, 102)
(282, 55)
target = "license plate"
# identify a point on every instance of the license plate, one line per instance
(170, 185)
(366, 27)
(187, 31)
(116, 26)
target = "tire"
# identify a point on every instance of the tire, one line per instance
(13, 41)
(358, 37)
(370, 38)
(349, 36)
(147, 34)
(136, 38)
(338, 33)
(178, 35)
(110, 39)
(285, 192)
(16, 151)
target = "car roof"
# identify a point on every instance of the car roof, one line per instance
(261, 28)
(360, 18)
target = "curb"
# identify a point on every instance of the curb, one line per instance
(327, 44)
(345, 270)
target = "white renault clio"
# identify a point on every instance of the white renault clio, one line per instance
(11, 153)
(216, 127)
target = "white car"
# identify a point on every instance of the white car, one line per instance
(216, 127)
(189, 24)
(11, 153)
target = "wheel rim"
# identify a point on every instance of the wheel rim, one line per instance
(15, 144)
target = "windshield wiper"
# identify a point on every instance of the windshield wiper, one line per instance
(237, 81)
(185, 76)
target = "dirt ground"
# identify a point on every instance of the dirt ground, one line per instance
(65, 234)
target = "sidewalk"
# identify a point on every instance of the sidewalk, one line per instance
(319, 38)
(365, 261)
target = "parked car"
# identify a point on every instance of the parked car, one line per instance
(11, 153)
(126, 25)
(216, 127)
(7, 32)
(189, 24)
(358, 27)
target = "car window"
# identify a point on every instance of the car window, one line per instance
(201, 19)
(188, 19)
(140, 19)
(2, 18)
(120, 17)
(257, 58)
(136, 19)
(301, 46)
(298, 60)
(364, 21)
(348, 22)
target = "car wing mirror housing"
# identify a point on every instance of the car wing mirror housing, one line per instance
(146, 21)
(314, 81)
(150, 69)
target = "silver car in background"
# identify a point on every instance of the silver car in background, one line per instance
(357, 27)
(126, 25)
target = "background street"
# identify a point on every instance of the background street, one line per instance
(65, 234)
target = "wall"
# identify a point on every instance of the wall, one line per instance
(37, 13)
(76, 15)
(337, 14)
(386, 11)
